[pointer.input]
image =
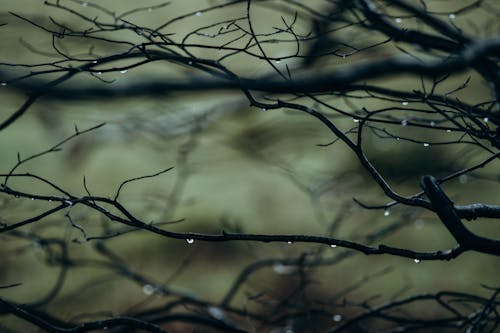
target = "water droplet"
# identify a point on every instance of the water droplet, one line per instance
(85, 4)
(433, 123)
(343, 56)
(278, 61)
(404, 122)
(485, 119)
(448, 131)
(264, 109)
(3, 84)
(463, 179)
(404, 103)
(289, 242)
(150, 9)
(283, 269)
(50, 200)
(333, 246)
(148, 289)
(426, 144)
(123, 71)
(225, 27)
(17, 195)
(337, 318)
(356, 120)
(416, 261)
(190, 240)
(387, 213)
(398, 20)
(99, 73)
(398, 138)
(198, 14)
(451, 16)
(216, 312)
(32, 199)
(68, 202)
(94, 62)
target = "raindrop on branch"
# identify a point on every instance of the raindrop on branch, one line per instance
(150, 9)
(337, 318)
(398, 20)
(426, 144)
(387, 213)
(404, 103)
(485, 119)
(278, 61)
(433, 123)
(416, 261)
(283, 269)
(85, 4)
(333, 246)
(289, 242)
(190, 240)
(198, 14)
(451, 16)
(404, 122)
(264, 109)
(148, 289)
(463, 179)
(123, 71)
(3, 84)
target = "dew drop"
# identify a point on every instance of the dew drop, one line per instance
(32, 199)
(343, 56)
(416, 261)
(485, 119)
(337, 318)
(148, 289)
(85, 4)
(190, 62)
(404, 122)
(387, 213)
(398, 138)
(433, 123)
(264, 109)
(398, 20)
(150, 9)
(216, 312)
(333, 246)
(426, 144)
(283, 269)
(278, 61)
(448, 131)
(99, 73)
(463, 179)
(451, 16)
(404, 103)
(190, 240)
(225, 27)
(356, 120)
(50, 200)
(123, 71)
(94, 62)
(289, 242)
(198, 14)
(3, 84)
